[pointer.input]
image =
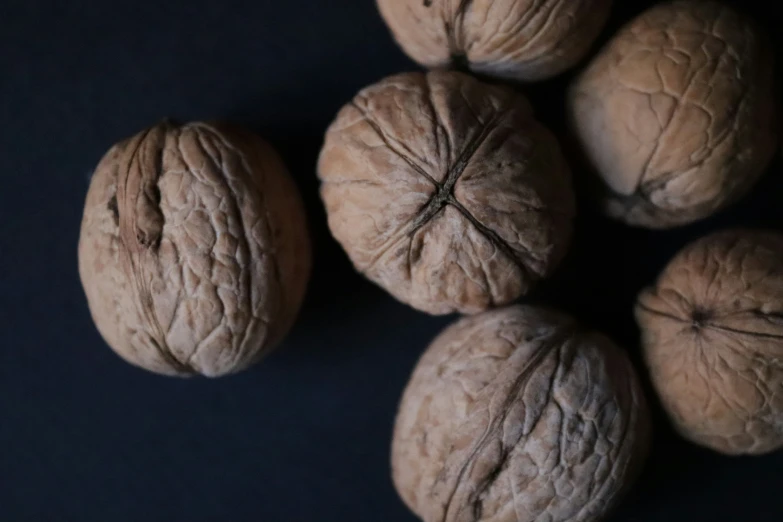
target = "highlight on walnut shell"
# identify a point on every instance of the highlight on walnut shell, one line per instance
(677, 113)
(524, 40)
(519, 414)
(194, 252)
(446, 191)
(712, 334)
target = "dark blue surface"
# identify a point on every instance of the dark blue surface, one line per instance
(305, 435)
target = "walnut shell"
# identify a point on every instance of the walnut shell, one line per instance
(712, 332)
(523, 40)
(676, 113)
(446, 191)
(194, 252)
(519, 415)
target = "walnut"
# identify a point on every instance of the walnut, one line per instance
(523, 40)
(712, 333)
(194, 252)
(675, 114)
(446, 191)
(519, 414)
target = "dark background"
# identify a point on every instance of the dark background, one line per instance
(305, 435)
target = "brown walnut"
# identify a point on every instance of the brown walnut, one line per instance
(194, 252)
(523, 40)
(712, 332)
(676, 113)
(519, 415)
(446, 191)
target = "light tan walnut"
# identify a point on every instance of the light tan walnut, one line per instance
(446, 191)
(712, 332)
(523, 40)
(194, 251)
(519, 415)
(677, 113)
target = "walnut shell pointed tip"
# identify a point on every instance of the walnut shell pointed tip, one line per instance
(712, 336)
(523, 40)
(446, 191)
(677, 113)
(194, 251)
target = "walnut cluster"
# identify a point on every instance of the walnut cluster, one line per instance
(446, 191)
(675, 114)
(712, 334)
(194, 252)
(519, 414)
(523, 40)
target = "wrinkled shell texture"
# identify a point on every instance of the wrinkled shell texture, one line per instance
(523, 40)
(676, 113)
(446, 191)
(519, 415)
(712, 332)
(194, 252)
